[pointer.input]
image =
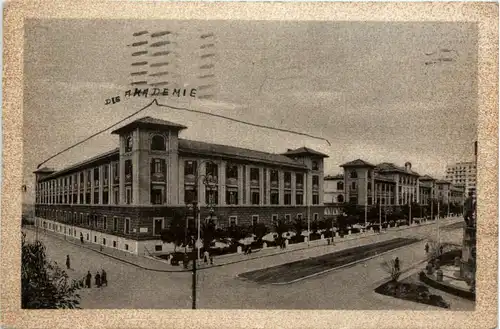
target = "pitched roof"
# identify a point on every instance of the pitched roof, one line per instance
(329, 177)
(85, 163)
(426, 177)
(357, 163)
(225, 151)
(388, 167)
(44, 170)
(304, 151)
(442, 181)
(148, 122)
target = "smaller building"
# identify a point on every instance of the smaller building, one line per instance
(333, 195)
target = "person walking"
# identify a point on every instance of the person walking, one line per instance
(68, 263)
(98, 279)
(104, 278)
(88, 280)
(206, 255)
(426, 247)
(441, 249)
(396, 264)
(469, 209)
(81, 237)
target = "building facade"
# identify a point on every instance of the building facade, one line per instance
(389, 185)
(334, 195)
(463, 173)
(124, 198)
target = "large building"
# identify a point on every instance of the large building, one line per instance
(125, 197)
(463, 173)
(389, 185)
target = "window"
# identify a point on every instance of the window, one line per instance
(315, 165)
(231, 197)
(275, 197)
(211, 169)
(96, 197)
(126, 246)
(299, 199)
(117, 196)
(315, 198)
(353, 200)
(354, 174)
(255, 219)
(274, 219)
(232, 171)
(129, 195)
(96, 176)
(288, 198)
(158, 143)
(95, 221)
(114, 244)
(157, 166)
(288, 218)
(105, 222)
(254, 174)
(105, 197)
(369, 200)
(158, 247)
(369, 186)
(106, 172)
(156, 195)
(316, 217)
(369, 174)
(274, 178)
(233, 220)
(128, 168)
(288, 179)
(340, 186)
(189, 195)
(315, 181)
(190, 168)
(115, 224)
(104, 241)
(128, 144)
(88, 220)
(81, 179)
(81, 219)
(299, 180)
(157, 226)
(95, 239)
(255, 197)
(127, 226)
(211, 196)
(353, 185)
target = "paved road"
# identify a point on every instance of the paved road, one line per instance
(131, 287)
(289, 272)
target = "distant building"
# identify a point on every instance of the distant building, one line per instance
(463, 173)
(125, 197)
(334, 195)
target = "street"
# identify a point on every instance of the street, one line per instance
(220, 287)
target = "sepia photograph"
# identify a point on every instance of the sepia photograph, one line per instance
(232, 164)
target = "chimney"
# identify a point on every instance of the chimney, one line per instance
(408, 166)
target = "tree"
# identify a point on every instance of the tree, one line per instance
(260, 230)
(44, 285)
(391, 268)
(280, 227)
(236, 233)
(208, 233)
(176, 231)
(298, 226)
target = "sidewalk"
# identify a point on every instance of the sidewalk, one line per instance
(316, 248)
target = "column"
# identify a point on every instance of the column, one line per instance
(78, 185)
(181, 182)
(418, 191)
(248, 199)
(222, 183)
(111, 190)
(202, 169)
(268, 187)
(281, 182)
(101, 183)
(92, 178)
(241, 196)
(121, 167)
(261, 186)
(294, 188)
(308, 189)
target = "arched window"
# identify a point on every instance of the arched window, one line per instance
(340, 186)
(315, 165)
(158, 143)
(340, 199)
(354, 174)
(128, 144)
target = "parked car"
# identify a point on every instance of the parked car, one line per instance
(178, 257)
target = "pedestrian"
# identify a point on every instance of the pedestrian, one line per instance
(328, 240)
(81, 237)
(104, 278)
(441, 249)
(68, 264)
(426, 248)
(469, 209)
(100, 248)
(396, 264)
(88, 280)
(206, 256)
(211, 260)
(98, 279)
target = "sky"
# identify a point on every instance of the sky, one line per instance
(364, 86)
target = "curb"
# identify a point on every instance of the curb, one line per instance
(229, 263)
(345, 265)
